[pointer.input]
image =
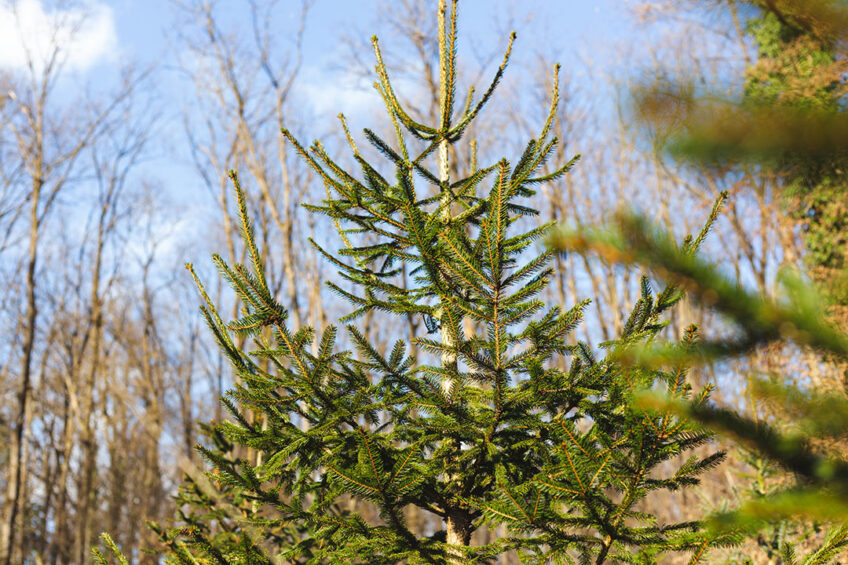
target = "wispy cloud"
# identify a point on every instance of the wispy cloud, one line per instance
(85, 35)
(326, 93)
(329, 93)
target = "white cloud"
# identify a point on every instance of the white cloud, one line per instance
(331, 93)
(85, 34)
(328, 93)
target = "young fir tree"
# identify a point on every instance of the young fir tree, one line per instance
(490, 426)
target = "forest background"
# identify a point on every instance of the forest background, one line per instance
(118, 124)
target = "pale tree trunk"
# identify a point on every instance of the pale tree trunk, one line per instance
(186, 404)
(457, 519)
(57, 551)
(448, 339)
(11, 532)
(87, 497)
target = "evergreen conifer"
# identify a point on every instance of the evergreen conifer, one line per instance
(504, 420)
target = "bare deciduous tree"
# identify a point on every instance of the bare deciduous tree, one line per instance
(50, 145)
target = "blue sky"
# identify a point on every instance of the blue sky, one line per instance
(572, 32)
(559, 30)
(139, 30)
(571, 25)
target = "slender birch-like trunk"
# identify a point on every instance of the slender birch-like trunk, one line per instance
(457, 520)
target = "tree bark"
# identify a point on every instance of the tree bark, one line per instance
(457, 521)
(87, 492)
(11, 535)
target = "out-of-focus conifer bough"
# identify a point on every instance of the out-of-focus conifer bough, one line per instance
(813, 417)
(503, 420)
(789, 120)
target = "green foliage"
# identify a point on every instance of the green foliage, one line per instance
(797, 69)
(491, 424)
(790, 122)
(789, 66)
(825, 20)
(813, 416)
(219, 519)
(100, 559)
